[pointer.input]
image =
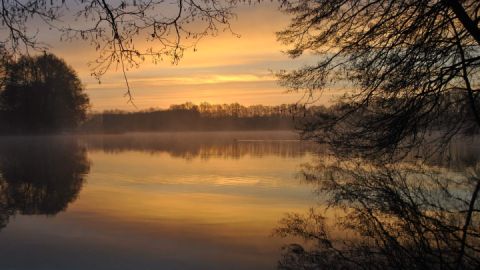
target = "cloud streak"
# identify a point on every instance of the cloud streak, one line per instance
(224, 69)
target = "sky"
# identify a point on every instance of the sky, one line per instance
(223, 69)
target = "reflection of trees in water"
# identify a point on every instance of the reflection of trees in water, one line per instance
(40, 176)
(238, 144)
(461, 154)
(205, 145)
(399, 216)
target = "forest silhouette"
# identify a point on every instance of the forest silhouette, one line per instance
(202, 117)
(40, 94)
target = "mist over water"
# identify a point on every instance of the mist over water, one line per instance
(148, 201)
(180, 200)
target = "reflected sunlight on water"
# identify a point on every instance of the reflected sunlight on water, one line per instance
(168, 201)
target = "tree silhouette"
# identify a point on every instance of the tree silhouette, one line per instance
(411, 63)
(42, 94)
(115, 28)
(413, 67)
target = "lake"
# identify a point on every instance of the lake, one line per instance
(149, 201)
(213, 200)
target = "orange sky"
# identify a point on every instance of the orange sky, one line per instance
(224, 69)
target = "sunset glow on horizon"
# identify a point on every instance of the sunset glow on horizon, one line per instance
(239, 134)
(223, 69)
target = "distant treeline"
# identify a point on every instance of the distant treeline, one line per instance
(191, 117)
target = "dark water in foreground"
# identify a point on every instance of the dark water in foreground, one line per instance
(149, 201)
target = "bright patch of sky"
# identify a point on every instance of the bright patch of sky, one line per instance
(224, 69)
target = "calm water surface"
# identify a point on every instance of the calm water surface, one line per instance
(149, 201)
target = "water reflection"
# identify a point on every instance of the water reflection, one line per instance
(40, 176)
(154, 201)
(409, 215)
(206, 145)
(211, 200)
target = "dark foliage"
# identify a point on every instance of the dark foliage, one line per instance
(410, 64)
(203, 117)
(41, 94)
(115, 28)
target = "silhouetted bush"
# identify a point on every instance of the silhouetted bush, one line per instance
(41, 94)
